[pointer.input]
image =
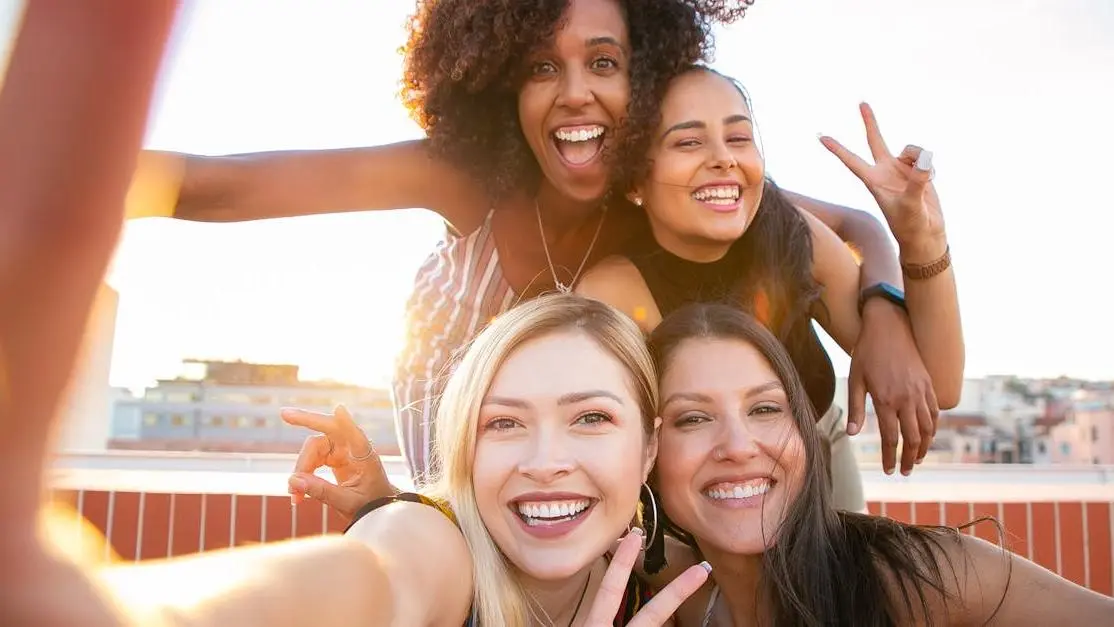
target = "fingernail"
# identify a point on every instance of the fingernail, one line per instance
(706, 566)
(299, 485)
(638, 531)
(889, 471)
(924, 161)
(906, 471)
(920, 461)
(852, 428)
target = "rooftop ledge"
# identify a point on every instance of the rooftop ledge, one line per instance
(266, 474)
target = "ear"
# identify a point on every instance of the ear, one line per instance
(651, 450)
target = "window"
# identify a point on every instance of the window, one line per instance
(1094, 433)
(1041, 448)
(215, 421)
(243, 422)
(181, 397)
(262, 423)
(1065, 448)
(178, 420)
(150, 419)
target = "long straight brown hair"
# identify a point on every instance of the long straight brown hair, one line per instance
(827, 567)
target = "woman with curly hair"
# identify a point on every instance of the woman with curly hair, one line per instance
(525, 108)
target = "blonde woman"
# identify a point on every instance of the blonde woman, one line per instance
(547, 436)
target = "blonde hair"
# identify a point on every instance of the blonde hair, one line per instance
(498, 598)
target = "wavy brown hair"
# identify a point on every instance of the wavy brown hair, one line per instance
(827, 567)
(463, 69)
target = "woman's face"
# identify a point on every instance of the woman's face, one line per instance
(575, 95)
(561, 454)
(706, 173)
(731, 457)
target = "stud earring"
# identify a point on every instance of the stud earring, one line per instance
(638, 201)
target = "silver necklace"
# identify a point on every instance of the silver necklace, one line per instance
(561, 287)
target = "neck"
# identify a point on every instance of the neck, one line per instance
(738, 577)
(558, 599)
(695, 249)
(561, 214)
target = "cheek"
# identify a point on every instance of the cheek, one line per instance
(492, 467)
(753, 166)
(678, 462)
(531, 111)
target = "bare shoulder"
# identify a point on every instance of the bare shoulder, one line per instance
(405, 536)
(617, 281)
(984, 584)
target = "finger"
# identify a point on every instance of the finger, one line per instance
(314, 454)
(933, 408)
(321, 423)
(888, 429)
(878, 148)
(927, 428)
(853, 162)
(910, 437)
(856, 400)
(315, 488)
(354, 437)
(666, 602)
(909, 155)
(919, 177)
(614, 585)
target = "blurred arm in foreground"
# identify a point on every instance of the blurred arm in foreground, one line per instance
(73, 112)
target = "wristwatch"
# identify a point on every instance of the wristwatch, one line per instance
(882, 290)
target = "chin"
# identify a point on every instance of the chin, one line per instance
(561, 566)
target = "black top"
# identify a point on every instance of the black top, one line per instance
(675, 282)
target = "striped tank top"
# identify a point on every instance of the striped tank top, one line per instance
(457, 291)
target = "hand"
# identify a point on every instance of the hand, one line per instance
(887, 365)
(613, 588)
(345, 449)
(901, 185)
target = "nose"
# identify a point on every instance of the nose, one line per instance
(721, 157)
(736, 443)
(576, 92)
(547, 459)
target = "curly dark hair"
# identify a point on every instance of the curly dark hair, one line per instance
(463, 68)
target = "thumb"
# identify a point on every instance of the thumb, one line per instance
(856, 400)
(314, 487)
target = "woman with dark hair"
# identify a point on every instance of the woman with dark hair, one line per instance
(742, 481)
(528, 109)
(725, 233)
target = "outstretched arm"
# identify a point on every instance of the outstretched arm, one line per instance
(995, 587)
(904, 191)
(860, 230)
(263, 185)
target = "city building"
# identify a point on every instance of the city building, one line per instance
(234, 406)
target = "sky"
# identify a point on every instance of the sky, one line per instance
(1013, 98)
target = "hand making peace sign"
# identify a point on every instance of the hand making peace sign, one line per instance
(901, 185)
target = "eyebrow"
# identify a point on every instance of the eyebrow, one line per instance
(603, 41)
(567, 399)
(704, 398)
(731, 119)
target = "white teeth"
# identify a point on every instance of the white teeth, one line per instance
(579, 135)
(540, 513)
(739, 490)
(719, 195)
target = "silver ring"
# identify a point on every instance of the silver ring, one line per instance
(364, 457)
